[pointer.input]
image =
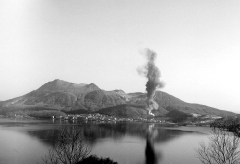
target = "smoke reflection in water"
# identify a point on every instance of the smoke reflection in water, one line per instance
(150, 154)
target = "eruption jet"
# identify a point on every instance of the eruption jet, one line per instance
(153, 74)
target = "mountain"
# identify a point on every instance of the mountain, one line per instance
(61, 96)
(125, 110)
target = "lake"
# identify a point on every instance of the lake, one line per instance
(25, 141)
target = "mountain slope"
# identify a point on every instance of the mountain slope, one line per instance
(61, 95)
(168, 102)
(124, 110)
(64, 96)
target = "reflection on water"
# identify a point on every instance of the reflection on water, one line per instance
(91, 133)
(152, 157)
(17, 147)
(150, 153)
(126, 143)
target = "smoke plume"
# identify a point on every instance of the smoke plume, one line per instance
(153, 74)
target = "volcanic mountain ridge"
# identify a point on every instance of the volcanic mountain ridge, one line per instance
(59, 95)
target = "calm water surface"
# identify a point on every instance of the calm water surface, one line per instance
(27, 141)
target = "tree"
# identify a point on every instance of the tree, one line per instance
(69, 149)
(177, 116)
(223, 148)
(231, 124)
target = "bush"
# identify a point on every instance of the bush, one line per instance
(93, 159)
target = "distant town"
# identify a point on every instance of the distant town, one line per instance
(195, 120)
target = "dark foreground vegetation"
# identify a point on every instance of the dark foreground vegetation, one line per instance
(231, 124)
(93, 159)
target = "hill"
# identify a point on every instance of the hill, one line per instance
(125, 110)
(62, 96)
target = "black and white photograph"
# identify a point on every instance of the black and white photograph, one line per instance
(119, 82)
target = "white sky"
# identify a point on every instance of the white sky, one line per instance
(84, 41)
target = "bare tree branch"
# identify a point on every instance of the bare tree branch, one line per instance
(69, 149)
(223, 148)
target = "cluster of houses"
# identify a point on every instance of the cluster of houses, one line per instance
(106, 118)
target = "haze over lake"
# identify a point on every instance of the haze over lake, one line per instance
(26, 141)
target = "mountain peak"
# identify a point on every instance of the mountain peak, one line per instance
(92, 86)
(57, 80)
(54, 85)
(119, 91)
(60, 85)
